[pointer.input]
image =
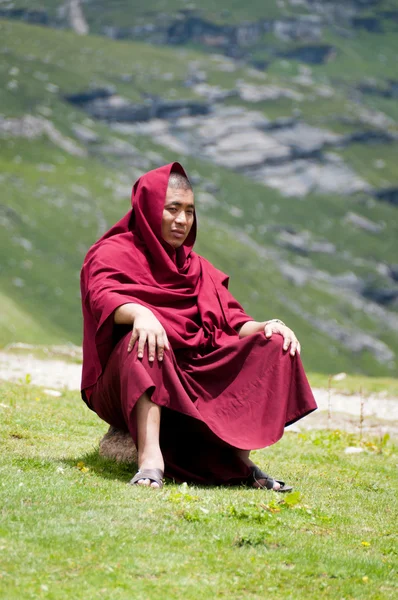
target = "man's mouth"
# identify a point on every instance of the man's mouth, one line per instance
(178, 232)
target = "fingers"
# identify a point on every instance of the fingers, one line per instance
(268, 331)
(166, 341)
(157, 343)
(151, 340)
(141, 344)
(292, 341)
(294, 347)
(289, 339)
(133, 339)
(162, 344)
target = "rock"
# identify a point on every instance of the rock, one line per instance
(285, 154)
(172, 109)
(32, 127)
(195, 29)
(353, 450)
(371, 24)
(242, 150)
(23, 242)
(389, 195)
(54, 393)
(300, 177)
(224, 63)
(214, 93)
(260, 93)
(225, 121)
(363, 223)
(46, 167)
(393, 272)
(375, 118)
(235, 211)
(205, 200)
(118, 147)
(380, 294)
(294, 274)
(104, 104)
(370, 136)
(305, 139)
(18, 282)
(195, 75)
(339, 376)
(313, 54)
(302, 242)
(118, 445)
(85, 134)
(91, 95)
(37, 17)
(304, 28)
(76, 18)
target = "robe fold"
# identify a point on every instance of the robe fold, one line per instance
(218, 392)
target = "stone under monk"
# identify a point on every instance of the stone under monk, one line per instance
(170, 356)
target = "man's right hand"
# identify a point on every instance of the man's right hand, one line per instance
(147, 329)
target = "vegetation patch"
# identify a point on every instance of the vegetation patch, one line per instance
(72, 527)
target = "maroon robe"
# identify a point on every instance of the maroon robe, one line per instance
(218, 392)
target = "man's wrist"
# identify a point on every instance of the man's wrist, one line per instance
(275, 321)
(127, 313)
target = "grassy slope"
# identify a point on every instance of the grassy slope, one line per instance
(52, 214)
(71, 527)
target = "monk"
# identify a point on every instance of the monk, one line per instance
(171, 357)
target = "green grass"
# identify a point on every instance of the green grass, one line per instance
(376, 162)
(71, 528)
(356, 384)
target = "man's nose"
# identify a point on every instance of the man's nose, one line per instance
(181, 217)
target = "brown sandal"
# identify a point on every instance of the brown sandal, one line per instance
(154, 475)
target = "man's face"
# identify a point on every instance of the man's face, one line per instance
(178, 216)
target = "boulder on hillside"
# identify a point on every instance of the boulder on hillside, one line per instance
(37, 17)
(301, 177)
(314, 54)
(389, 195)
(105, 104)
(31, 127)
(363, 223)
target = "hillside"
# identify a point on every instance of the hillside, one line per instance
(293, 161)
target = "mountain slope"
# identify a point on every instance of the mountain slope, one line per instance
(320, 261)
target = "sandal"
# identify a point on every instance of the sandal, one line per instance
(154, 475)
(257, 474)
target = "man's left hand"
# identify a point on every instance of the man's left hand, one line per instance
(289, 338)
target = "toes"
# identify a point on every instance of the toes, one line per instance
(262, 483)
(147, 483)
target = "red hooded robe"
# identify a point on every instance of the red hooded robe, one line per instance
(218, 392)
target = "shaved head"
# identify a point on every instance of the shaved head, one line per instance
(177, 181)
